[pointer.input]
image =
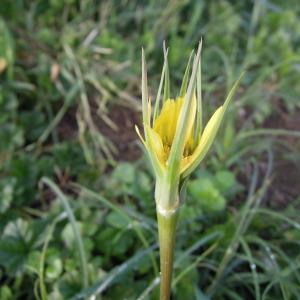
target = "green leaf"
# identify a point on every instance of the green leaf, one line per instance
(54, 267)
(207, 195)
(124, 173)
(115, 220)
(15, 245)
(144, 183)
(122, 243)
(225, 181)
(7, 55)
(33, 261)
(6, 293)
(99, 287)
(25, 173)
(72, 220)
(6, 193)
(68, 235)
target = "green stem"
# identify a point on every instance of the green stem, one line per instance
(166, 230)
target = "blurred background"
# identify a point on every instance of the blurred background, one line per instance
(77, 214)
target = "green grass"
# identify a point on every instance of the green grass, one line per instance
(69, 98)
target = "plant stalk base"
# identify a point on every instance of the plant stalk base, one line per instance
(167, 232)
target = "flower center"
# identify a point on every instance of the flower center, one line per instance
(165, 126)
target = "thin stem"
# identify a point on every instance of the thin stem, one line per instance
(166, 231)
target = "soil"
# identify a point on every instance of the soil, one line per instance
(124, 137)
(285, 186)
(67, 128)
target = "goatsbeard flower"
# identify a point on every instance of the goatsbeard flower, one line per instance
(176, 143)
(174, 138)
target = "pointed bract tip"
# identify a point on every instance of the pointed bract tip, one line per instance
(199, 47)
(165, 48)
(139, 134)
(143, 57)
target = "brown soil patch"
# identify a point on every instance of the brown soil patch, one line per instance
(67, 128)
(124, 137)
(285, 187)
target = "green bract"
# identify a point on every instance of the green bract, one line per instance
(174, 139)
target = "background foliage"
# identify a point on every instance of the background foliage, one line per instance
(77, 216)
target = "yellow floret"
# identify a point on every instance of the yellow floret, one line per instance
(165, 126)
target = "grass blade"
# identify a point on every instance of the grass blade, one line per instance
(71, 217)
(124, 215)
(99, 287)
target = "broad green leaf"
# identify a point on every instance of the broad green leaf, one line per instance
(15, 245)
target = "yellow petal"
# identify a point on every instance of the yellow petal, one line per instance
(153, 148)
(155, 144)
(207, 138)
(191, 120)
(165, 123)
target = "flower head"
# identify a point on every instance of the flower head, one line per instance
(174, 138)
(165, 124)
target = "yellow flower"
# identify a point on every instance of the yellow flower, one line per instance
(176, 144)
(174, 139)
(165, 128)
